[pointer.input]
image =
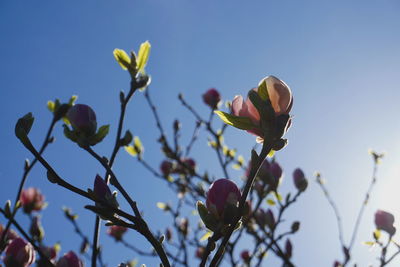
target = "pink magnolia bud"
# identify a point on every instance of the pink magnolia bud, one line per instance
(19, 253)
(184, 226)
(265, 218)
(384, 221)
(245, 255)
(270, 174)
(187, 165)
(168, 234)
(200, 252)
(32, 200)
(166, 167)
(189, 162)
(299, 180)
(82, 119)
(212, 98)
(222, 193)
(260, 217)
(101, 189)
(275, 170)
(288, 248)
(69, 259)
(116, 231)
(10, 235)
(270, 219)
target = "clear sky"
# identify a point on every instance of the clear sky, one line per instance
(341, 59)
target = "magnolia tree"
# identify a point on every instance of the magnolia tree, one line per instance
(227, 212)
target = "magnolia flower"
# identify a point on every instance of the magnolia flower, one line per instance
(280, 97)
(19, 253)
(32, 200)
(212, 98)
(116, 231)
(69, 259)
(82, 119)
(222, 193)
(384, 221)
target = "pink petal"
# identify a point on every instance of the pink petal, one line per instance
(237, 104)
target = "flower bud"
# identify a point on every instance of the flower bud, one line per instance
(259, 188)
(82, 119)
(32, 200)
(276, 170)
(264, 170)
(337, 264)
(288, 249)
(101, 189)
(69, 259)
(184, 226)
(260, 218)
(245, 255)
(177, 126)
(384, 221)
(36, 230)
(185, 166)
(116, 231)
(166, 167)
(212, 98)
(299, 180)
(270, 219)
(270, 174)
(221, 194)
(168, 234)
(200, 252)
(280, 103)
(189, 162)
(103, 195)
(19, 253)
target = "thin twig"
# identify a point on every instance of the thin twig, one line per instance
(27, 169)
(114, 153)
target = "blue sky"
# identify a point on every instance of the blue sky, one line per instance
(341, 59)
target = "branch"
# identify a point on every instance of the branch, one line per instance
(254, 170)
